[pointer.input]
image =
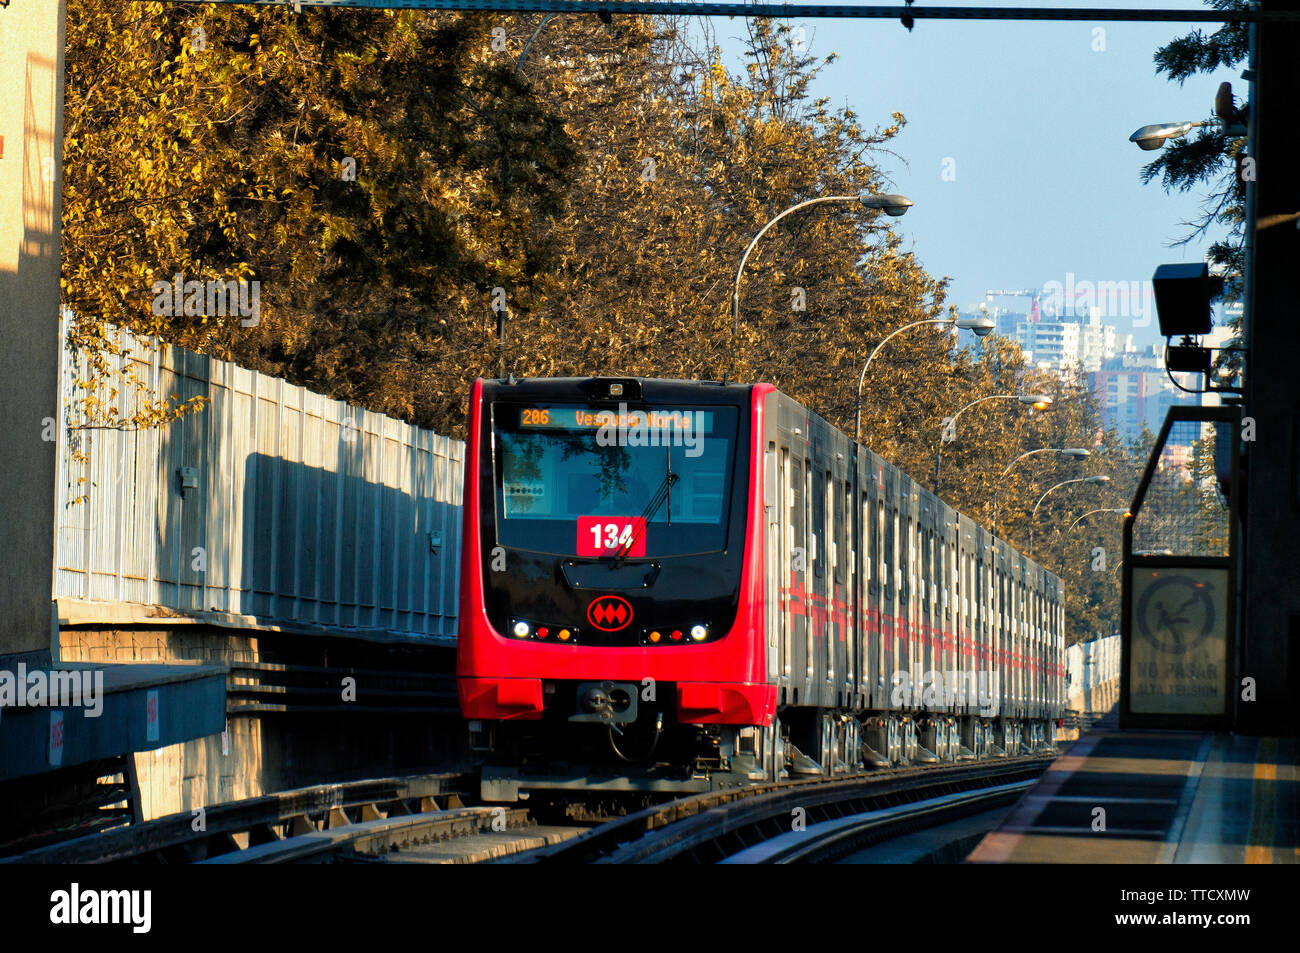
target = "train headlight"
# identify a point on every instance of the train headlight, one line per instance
(699, 632)
(522, 630)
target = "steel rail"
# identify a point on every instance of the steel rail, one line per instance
(669, 830)
(720, 832)
(835, 837)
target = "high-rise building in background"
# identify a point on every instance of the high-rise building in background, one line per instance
(1135, 390)
(1071, 344)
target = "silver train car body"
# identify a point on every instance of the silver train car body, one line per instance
(898, 630)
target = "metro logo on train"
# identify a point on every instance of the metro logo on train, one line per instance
(609, 613)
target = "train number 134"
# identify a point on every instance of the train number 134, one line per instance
(605, 535)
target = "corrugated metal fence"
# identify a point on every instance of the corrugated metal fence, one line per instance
(307, 511)
(1094, 663)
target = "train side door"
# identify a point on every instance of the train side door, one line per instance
(774, 553)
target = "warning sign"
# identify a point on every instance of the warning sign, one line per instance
(1178, 655)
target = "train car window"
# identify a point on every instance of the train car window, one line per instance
(868, 544)
(963, 587)
(561, 473)
(851, 582)
(774, 555)
(900, 556)
(922, 566)
(932, 558)
(913, 561)
(904, 557)
(817, 522)
(945, 577)
(878, 546)
(888, 560)
(811, 559)
(834, 573)
(846, 562)
(954, 560)
(917, 585)
(834, 558)
(935, 555)
(827, 524)
(788, 488)
(787, 542)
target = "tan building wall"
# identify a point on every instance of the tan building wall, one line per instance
(31, 177)
(197, 773)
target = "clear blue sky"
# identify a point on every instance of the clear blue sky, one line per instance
(1037, 123)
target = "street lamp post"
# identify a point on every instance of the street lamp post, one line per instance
(1230, 118)
(1090, 512)
(1152, 137)
(981, 325)
(1078, 520)
(1076, 453)
(892, 205)
(1096, 480)
(1039, 401)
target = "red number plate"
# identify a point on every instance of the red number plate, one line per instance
(606, 535)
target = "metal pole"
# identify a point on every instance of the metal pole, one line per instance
(938, 459)
(1065, 537)
(1269, 638)
(1034, 515)
(997, 489)
(735, 291)
(857, 426)
(877, 11)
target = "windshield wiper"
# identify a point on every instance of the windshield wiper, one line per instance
(661, 494)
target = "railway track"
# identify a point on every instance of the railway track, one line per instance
(457, 835)
(743, 825)
(797, 820)
(425, 819)
(240, 826)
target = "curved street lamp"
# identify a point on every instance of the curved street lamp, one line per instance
(1078, 520)
(981, 325)
(1090, 512)
(892, 205)
(1227, 115)
(1095, 480)
(1152, 137)
(1075, 453)
(1038, 401)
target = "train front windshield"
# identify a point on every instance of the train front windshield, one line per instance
(598, 482)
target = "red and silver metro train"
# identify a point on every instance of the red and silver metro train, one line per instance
(675, 586)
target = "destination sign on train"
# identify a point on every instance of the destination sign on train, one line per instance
(587, 418)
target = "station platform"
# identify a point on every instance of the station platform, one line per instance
(1157, 797)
